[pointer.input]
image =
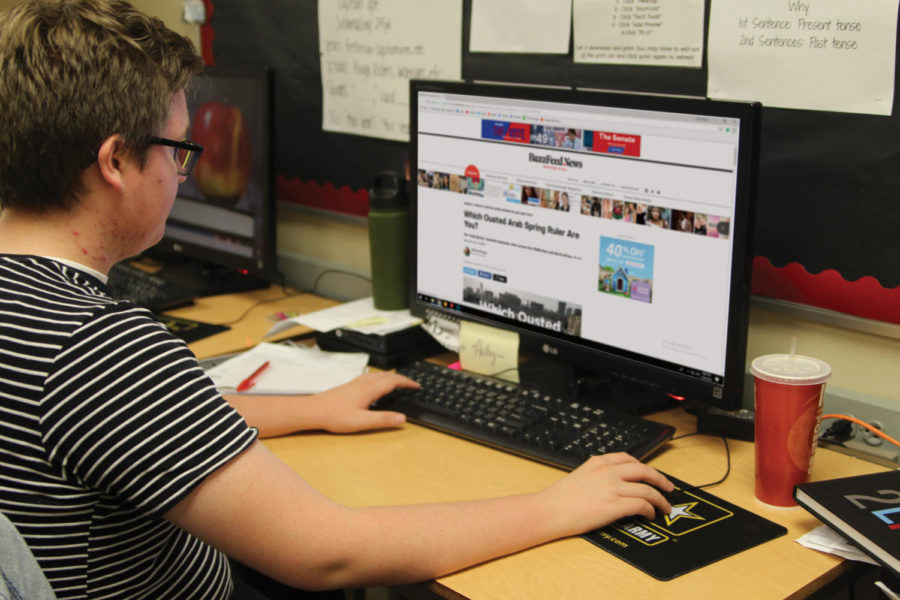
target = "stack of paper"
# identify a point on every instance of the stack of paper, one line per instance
(359, 315)
(291, 369)
(825, 539)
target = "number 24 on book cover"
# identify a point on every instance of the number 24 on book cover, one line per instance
(864, 508)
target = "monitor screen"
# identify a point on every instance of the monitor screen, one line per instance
(224, 214)
(610, 230)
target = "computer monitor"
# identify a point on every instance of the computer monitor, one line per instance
(220, 234)
(610, 230)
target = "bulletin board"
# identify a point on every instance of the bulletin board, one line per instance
(828, 210)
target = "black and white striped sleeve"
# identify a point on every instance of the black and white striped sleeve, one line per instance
(128, 410)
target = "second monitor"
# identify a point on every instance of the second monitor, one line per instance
(220, 234)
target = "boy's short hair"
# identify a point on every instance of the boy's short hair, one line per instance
(73, 73)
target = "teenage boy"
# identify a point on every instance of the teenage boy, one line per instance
(124, 469)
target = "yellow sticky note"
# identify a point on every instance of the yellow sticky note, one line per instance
(488, 350)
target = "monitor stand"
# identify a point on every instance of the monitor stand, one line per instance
(602, 389)
(549, 375)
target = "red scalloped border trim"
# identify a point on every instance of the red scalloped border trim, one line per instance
(326, 197)
(865, 297)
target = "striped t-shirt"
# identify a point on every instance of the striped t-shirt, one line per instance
(106, 422)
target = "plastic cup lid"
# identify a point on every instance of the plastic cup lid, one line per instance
(796, 370)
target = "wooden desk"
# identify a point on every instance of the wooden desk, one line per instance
(250, 316)
(415, 464)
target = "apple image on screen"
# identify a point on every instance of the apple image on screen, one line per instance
(223, 171)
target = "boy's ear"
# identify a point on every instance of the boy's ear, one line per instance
(111, 161)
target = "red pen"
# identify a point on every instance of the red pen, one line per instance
(250, 381)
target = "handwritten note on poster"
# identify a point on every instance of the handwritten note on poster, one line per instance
(830, 55)
(370, 49)
(639, 32)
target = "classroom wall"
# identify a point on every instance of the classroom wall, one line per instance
(311, 243)
(866, 363)
(324, 252)
(811, 192)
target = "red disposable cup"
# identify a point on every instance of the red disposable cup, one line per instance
(788, 393)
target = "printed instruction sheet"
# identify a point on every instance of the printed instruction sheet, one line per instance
(662, 33)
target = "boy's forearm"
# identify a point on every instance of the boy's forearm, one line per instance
(415, 543)
(273, 416)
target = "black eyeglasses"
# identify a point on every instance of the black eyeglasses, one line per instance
(186, 153)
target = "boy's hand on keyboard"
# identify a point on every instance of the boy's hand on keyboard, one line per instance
(345, 409)
(607, 488)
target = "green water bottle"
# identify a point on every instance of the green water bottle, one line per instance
(389, 241)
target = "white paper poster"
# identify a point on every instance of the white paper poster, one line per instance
(833, 55)
(532, 26)
(369, 51)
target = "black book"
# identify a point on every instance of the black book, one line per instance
(865, 509)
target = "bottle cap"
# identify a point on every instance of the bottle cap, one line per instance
(388, 191)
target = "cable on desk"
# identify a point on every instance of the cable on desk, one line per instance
(863, 424)
(287, 294)
(727, 458)
(315, 285)
(260, 302)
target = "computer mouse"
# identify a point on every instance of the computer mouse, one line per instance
(677, 498)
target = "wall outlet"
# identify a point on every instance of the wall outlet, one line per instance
(870, 409)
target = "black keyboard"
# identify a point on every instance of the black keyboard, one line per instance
(523, 421)
(127, 282)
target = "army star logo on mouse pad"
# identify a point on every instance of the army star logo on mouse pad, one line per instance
(700, 530)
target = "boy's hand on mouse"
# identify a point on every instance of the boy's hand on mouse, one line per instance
(604, 489)
(345, 409)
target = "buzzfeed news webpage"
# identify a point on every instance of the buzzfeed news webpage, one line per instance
(612, 227)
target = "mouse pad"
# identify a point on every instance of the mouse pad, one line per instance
(700, 530)
(188, 330)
